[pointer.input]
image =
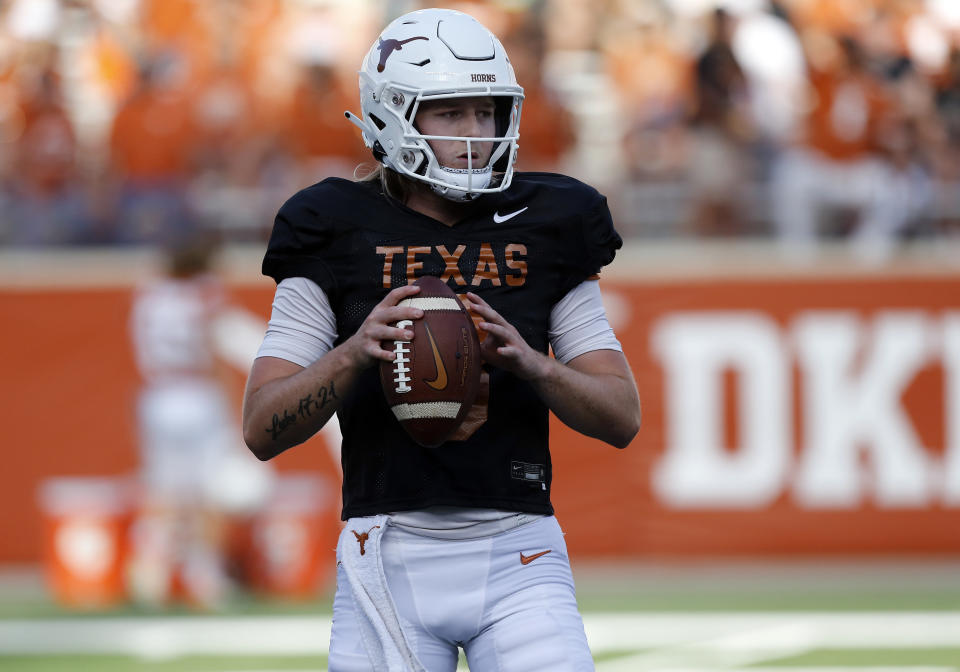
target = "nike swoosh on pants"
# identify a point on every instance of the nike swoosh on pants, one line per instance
(527, 559)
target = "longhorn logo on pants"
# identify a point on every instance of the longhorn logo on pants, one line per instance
(362, 537)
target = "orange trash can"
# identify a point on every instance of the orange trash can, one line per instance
(85, 530)
(293, 538)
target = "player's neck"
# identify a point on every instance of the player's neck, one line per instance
(422, 199)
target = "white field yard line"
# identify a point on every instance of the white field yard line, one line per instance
(733, 631)
(733, 653)
(714, 653)
(168, 637)
(754, 638)
(732, 636)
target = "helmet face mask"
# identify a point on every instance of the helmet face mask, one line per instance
(430, 55)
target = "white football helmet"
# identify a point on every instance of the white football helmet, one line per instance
(427, 55)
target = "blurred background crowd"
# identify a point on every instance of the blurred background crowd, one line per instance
(139, 121)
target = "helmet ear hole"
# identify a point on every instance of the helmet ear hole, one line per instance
(503, 105)
(378, 121)
(413, 160)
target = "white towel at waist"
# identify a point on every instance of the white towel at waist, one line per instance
(358, 551)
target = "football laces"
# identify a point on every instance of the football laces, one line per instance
(400, 368)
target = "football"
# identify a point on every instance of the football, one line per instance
(432, 383)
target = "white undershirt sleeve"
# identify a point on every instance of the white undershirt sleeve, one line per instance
(578, 324)
(302, 325)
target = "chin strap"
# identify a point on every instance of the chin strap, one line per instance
(459, 180)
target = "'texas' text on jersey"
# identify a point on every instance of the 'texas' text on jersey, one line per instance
(512, 270)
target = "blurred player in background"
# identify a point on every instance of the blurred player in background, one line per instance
(838, 168)
(455, 546)
(720, 128)
(193, 468)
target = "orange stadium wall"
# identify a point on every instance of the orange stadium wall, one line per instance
(783, 414)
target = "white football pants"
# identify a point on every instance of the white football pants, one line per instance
(507, 599)
(186, 430)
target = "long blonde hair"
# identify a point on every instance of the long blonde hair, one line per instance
(392, 183)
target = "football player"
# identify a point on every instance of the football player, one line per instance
(454, 546)
(194, 471)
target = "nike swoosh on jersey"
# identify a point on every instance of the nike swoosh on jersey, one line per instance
(440, 382)
(527, 559)
(499, 219)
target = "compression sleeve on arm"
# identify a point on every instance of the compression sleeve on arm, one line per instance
(578, 323)
(302, 325)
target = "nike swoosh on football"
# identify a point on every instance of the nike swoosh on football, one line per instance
(440, 382)
(527, 559)
(499, 219)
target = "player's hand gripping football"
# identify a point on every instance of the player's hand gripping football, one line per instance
(365, 345)
(503, 346)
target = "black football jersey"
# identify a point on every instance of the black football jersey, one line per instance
(521, 250)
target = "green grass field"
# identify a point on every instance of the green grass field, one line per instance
(851, 619)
